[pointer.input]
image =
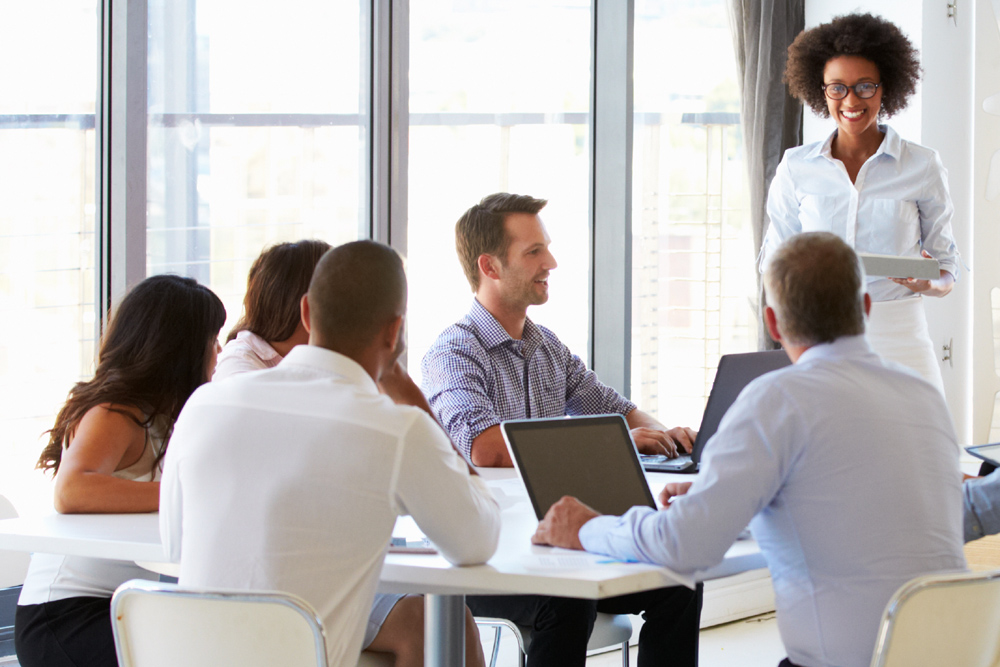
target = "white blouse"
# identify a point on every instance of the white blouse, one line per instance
(898, 205)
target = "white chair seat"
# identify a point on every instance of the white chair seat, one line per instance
(609, 629)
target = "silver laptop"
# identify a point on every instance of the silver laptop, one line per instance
(735, 372)
(591, 458)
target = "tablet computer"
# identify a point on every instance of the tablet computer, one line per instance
(891, 266)
(989, 453)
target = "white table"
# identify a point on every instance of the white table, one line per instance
(517, 567)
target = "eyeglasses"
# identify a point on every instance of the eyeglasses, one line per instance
(838, 91)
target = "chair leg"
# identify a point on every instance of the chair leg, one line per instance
(625, 654)
(496, 646)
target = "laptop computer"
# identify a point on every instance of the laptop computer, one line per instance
(989, 453)
(592, 458)
(735, 372)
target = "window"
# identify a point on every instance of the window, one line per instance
(47, 222)
(693, 276)
(257, 133)
(499, 102)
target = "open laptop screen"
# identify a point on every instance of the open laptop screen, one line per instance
(591, 458)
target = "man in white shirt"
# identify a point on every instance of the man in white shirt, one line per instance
(292, 478)
(846, 467)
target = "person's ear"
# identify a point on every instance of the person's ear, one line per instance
(488, 266)
(304, 312)
(390, 333)
(868, 304)
(771, 322)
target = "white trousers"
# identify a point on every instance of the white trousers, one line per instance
(897, 330)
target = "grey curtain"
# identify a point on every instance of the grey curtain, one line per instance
(771, 119)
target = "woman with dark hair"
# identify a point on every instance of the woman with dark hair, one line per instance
(271, 325)
(880, 193)
(105, 451)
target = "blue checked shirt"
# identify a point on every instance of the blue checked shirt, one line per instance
(476, 376)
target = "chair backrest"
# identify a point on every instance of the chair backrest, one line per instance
(13, 564)
(161, 625)
(948, 619)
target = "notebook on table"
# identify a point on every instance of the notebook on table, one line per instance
(735, 372)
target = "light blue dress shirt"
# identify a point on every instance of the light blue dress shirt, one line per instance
(848, 467)
(898, 205)
(982, 506)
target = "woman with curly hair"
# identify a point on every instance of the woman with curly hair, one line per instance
(880, 193)
(105, 451)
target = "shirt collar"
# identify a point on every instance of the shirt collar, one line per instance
(492, 332)
(259, 346)
(334, 363)
(842, 348)
(891, 145)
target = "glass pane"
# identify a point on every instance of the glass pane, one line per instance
(499, 101)
(693, 276)
(257, 133)
(48, 75)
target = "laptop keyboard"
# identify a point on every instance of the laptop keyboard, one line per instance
(680, 461)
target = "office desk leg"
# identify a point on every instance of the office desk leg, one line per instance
(444, 630)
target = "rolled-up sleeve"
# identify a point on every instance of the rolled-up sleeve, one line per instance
(982, 506)
(455, 380)
(936, 211)
(586, 394)
(782, 212)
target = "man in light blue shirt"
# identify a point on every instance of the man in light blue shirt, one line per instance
(846, 467)
(982, 506)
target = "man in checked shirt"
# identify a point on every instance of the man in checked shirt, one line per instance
(496, 364)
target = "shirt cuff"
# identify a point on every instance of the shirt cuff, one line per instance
(972, 526)
(593, 534)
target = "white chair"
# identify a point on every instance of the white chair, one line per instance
(164, 625)
(13, 564)
(947, 619)
(609, 629)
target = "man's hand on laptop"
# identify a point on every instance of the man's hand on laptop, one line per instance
(671, 491)
(562, 523)
(671, 442)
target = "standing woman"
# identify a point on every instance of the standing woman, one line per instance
(105, 451)
(878, 192)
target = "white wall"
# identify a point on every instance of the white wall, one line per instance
(940, 116)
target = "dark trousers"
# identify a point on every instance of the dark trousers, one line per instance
(560, 627)
(75, 632)
(787, 663)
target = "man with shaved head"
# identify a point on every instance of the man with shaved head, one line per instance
(845, 466)
(291, 478)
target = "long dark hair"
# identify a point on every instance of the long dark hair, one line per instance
(152, 357)
(275, 285)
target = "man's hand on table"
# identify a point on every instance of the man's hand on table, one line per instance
(671, 491)
(670, 442)
(562, 523)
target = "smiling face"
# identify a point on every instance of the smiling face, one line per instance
(854, 115)
(525, 271)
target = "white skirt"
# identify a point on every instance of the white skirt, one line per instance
(897, 330)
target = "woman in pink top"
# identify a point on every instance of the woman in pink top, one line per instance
(271, 326)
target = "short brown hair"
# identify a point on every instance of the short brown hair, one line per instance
(870, 37)
(357, 289)
(277, 280)
(480, 230)
(815, 284)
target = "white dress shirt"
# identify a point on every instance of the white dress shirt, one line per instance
(292, 478)
(898, 205)
(848, 468)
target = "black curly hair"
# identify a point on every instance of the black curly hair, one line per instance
(870, 37)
